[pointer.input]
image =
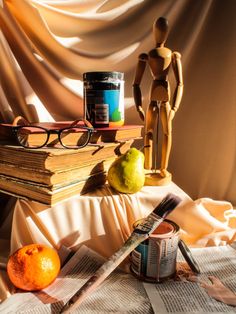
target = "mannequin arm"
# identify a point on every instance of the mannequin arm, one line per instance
(177, 68)
(136, 85)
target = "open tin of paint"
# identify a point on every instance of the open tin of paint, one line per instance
(154, 260)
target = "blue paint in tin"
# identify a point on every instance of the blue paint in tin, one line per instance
(139, 259)
(104, 98)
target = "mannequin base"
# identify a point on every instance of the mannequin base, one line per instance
(154, 178)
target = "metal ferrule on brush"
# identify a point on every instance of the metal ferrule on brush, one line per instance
(153, 220)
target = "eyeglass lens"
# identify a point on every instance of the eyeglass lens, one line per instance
(32, 137)
(74, 137)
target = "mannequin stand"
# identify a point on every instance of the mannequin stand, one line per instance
(155, 178)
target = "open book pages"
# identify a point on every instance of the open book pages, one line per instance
(123, 293)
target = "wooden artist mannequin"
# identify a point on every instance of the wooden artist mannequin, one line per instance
(159, 60)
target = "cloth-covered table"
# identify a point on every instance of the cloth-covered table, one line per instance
(103, 219)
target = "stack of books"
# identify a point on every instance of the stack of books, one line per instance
(52, 174)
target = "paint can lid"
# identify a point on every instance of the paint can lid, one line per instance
(189, 257)
(103, 76)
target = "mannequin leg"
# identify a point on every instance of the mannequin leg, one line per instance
(150, 124)
(167, 137)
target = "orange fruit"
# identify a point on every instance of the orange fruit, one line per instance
(33, 267)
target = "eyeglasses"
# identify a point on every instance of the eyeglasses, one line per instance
(77, 135)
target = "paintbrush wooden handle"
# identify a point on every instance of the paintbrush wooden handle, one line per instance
(104, 271)
(141, 233)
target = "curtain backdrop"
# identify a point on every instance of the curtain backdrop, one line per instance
(47, 45)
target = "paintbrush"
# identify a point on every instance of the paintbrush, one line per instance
(139, 234)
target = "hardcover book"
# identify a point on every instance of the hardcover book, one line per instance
(59, 159)
(107, 134)
(57, 177)
(50, 195)
(49, 175)
(52, 173)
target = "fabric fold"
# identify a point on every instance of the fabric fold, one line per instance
(12, 86)
(67, 61)
(58, 99)
(69, 24)
(206, 222)
(103, 219)
(78, 6)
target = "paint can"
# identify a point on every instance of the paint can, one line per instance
(154, 260)
(104, 98)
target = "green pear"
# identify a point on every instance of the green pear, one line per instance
(126, 173)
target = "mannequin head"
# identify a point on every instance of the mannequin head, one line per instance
(160, 30)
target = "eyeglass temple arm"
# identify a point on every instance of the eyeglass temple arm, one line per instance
(86, 122)
(19, 120)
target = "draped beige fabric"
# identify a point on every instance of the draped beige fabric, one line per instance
(47, 45)
(103, 220)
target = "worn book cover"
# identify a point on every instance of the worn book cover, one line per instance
(50, 195)
(50, 178)
(59, 159)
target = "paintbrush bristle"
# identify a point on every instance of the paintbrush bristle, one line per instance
(167, 205)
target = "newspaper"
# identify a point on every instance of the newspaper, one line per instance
(123, 293)
(185, 296)
(120, 293)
